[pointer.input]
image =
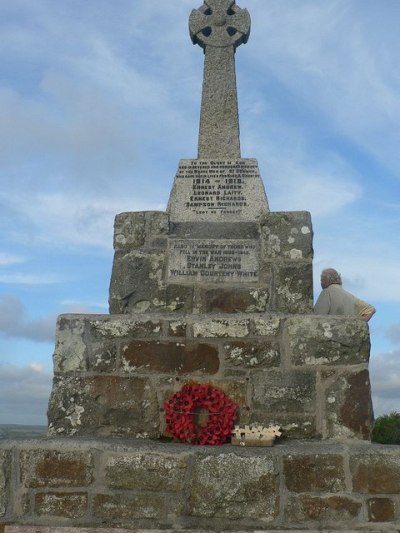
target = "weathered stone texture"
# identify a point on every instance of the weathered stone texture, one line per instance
(170, 357)
(348, 405)
(111, 327)
(250, 354)
(284, 391)
(177, 328)
(267, 325)
(314, 473)
(381, 510)
(148, 485)
(131, 229)
(221, 328)
(150, 472)
(323, 511)
(293, 288)
(287, 235)
(322, 395)
(70, 353)
(103, 356)
(54, 468)
(317, 340)
(137, 282)
(235, 488)
(61, 504)
(376, 472)
(5, 468)
(122, 509)
(233, 300)
(103, 406)
(179, 297)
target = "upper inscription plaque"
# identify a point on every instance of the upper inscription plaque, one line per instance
(217, 191)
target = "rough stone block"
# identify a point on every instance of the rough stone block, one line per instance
(221, 328)
(179, 297)
(233, 300)
(250, 354)
(137, 282)
(177, 328)
(121, 509)
(327, 511)
(380, 510)
(157, 223)
(171, 357)
(54, 468)
(129, 231)
(314, 473)
(103, 356)
(284, 392)
(149, 472)
(110, 327)
(133, 229)
(5, 472)
(61, 504)
(70, 353)
(234, 487)
(293, 288)
(287, 234)
(376, 473)
(267, 325)
(348, 405)
(103, 406)
(317, 340)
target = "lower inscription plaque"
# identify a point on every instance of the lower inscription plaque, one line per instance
(213, 260)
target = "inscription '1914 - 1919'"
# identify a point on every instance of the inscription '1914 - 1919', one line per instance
(217, 186)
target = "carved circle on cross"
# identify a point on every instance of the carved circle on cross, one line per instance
(219, 23)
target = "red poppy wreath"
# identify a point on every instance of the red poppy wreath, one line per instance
(182, 413)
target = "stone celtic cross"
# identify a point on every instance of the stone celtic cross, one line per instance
(219, 26)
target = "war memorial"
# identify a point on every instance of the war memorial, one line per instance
(214, 295)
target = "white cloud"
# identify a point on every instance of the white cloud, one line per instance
(393, 333)
(24, 394)
(66, 218)
(15, 323)
(385, 380)
(17, 278)
(10, 259)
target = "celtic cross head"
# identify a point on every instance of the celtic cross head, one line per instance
(219, 23)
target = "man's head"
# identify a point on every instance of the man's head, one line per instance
(330, 276)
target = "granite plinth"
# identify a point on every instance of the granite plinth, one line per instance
(138, 485)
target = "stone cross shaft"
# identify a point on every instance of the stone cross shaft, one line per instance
(219, 27)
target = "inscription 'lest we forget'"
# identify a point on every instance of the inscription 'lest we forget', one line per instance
(213, 260)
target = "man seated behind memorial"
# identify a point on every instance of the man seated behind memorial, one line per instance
(334, 300)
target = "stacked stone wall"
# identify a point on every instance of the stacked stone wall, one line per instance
(307, 374)
(276, 273)
(140, 485)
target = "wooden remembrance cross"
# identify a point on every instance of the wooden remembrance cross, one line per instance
(219, 27)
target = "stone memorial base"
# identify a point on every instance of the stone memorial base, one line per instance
(307, 374)
(167, 265)
(110, 483)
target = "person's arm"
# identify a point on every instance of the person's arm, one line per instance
(323, 304)
(366, 311)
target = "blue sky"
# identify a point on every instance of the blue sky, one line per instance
(98, 102)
